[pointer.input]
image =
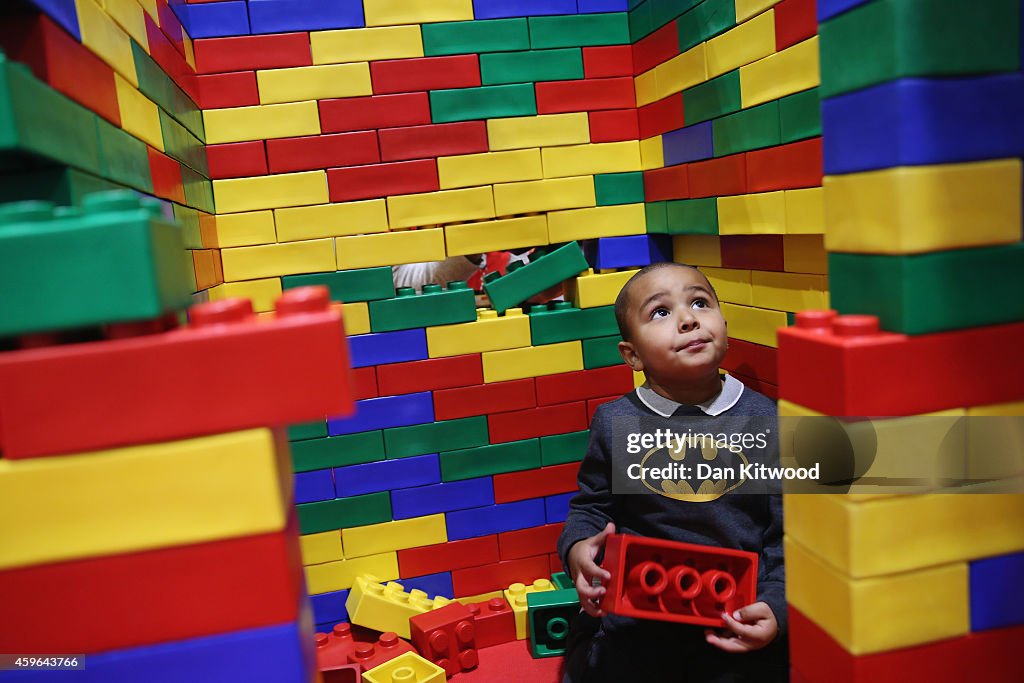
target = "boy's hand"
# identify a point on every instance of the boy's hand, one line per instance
(748, 628)
(584, 570)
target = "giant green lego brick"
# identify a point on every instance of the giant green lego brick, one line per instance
(657, 219)
(933, 292)
(337, 451)
(559, 449)
(123, 158)
(549, 614)
(560, 321)
(182, 145)
(342, 513)
(619, 188)
(692, 216)
(487, 460)
(198, 190)
(116, 259)
(888, 39)
(433, 437)
(154, 83)
(579, 30)
(601, 352)
(800, 116)
(435, 306)
(348, 286)
(531, 66)
(186, 112)
(486, 102)
(640, 22)
(717, 97)
(561, 580)
(472, 37)
(706, 20)
(307, 430)
(62, 186)
(191, 231)
(752, 128)
(545, 270)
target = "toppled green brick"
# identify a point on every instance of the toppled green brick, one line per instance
(579, 30)
(601, 352)
(307, 430)
(486, 102)
(752, 128)
(800, 116)
(692, 216)
(472, 37)
(706, 20)
(342, 513)
(546, 270)
(434, 437)
(123, 158)
(487, 460)
(559, 449)
(619, 188)
(337, 451)
(549, 614)
(531, 66)
(347, 286)
(435, 306)
(561, 322)
(717, 97)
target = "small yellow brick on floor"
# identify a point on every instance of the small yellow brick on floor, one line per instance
(389, 248)
(272, 260)
(490, 332)
(516, 596)
(547, 130)
(532, 361)
(331, 220)
(507, 233)
(783, 73)
(446, 206)
(304, 83)
(598, 221)
(469, 170)
(387, 607)
(234, 195)
(261, 122)
(365, 44)
(405, 533)
(544, 195)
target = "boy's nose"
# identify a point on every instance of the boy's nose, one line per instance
(688, 321)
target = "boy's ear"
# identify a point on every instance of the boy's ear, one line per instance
(628, 354)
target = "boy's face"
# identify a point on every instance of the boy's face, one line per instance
(677, 331)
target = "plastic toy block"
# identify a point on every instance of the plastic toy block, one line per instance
(516, 595)
(651, 155)
(535, 422)
(418, 142)
(480, 399)
(342, 513)
(382, 180)
(804, 254)
(493, 621)
(577, 30)
(104, 38)
(366, 284)
(666, 183)
(601, 352)
(430, 375)
(509, 233)
(178, 143)
(546, 481)
(752, 214)
(556, 508)
(550, 359)
(322, 151)
(447, 637)
(715, 98)
(692, 216)
(753, 128)
(378, 111)
(437, 498)
(322, 547)
(364, 380)
(704, 21)
(560, 322)
(365, 44)
(490, 332)
(446, 206)
(805, 211)
(755, 325)
(747, 42)
(408, 666)
(619, 188)
(388, 648)
(407, 533)
(575, 386)
(611, 157)
(433, 307)
(490, 101)
(678, 582)
(314, 486)
(795, 21)
(238, 124)
(237, 159)
(724, 175)
(549, 614)
(408, 246)
(677, 74)
(329, 608)
(562, 448)
(490, 459)
(585, 95)
(467, 37)
(731, 285)
(334, 645)
(211, 20)
(329, 220)
(385, 412)
(385, 12)
(538, 131)
(798, 164)
(490, 167)
(658, 47)
(499, 68)
(137, 114)
(601, 221)
(333, 576)
(607, 61)
(491, 577)
(381, 607)
(692, 143)
(745, 9)
(262, 293)
(705, 250)
(543, 195)
(528, 542)
(373, 477)
(783, 73)
(278, 16)
(425, 73)
(995, 593)
(789, 291)
(271, 260)
(469, 432)
(751, 360)
(496, 9)
(800, 116)
(544, 271)
(451, 555)
(346, 673)
(614, 125)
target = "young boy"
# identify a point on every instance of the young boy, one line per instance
(673, 331)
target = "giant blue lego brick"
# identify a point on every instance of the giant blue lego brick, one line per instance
(276, 16)
(630, 250)
(431, 584)
(329, 608)
(997, 592)
(916, 121)
(592, 6)
(372, 477)
(497, 9)
(313, 486)
(215, 19)
(387, 347)
(556, 508)
(385, 412)
(830, 8)
(446, 497)
(63, 12)
(691, 143)
(495, 519)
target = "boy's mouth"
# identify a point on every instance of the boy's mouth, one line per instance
(694, 344)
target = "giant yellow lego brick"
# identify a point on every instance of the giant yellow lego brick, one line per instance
(482, 597)
(190, 51)
(302, 83)
(789, 291)
(341, 574)
(385, 12)
(357, 317)
(490, 332)
(151, 10)
(106, 39)
(235, 195)
(532, 361)
(523, 132)
(244, 229)
(652, 153)
(881, 613)
(742, 44)
(390, 248)
(262, 293)
(578, 160)
(446, 206)
(129, 15)
(750, 8)
(507, 233)
(682, 71)
(407, 666)
(365, 44)
(805, 211)
(544, 195)
(752, 214)
(139, 116)
(646, 87)
(387, 607)
(1012, 409)
(755, 325)
(321, 547)
(697, 250)
(516, 596)
(331, 220)
(272, 260)
(489, 168)
(805, 254)
(596, 289)
(261, 122)
(731, 284)
(914, 209)
(783, 73)
(143, 497)
(404, 533)
(598, 221)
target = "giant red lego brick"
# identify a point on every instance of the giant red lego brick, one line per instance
(495, 622)
(424, 73)
(347, 646)
(237, 159)
(170, 25)
(534, 422)
(546, 481)
(752, 360)
(382, 180)
(613, 125)
(671, 182)
(447, 637)
(171, 59)
(795, 21)
(484, 399)
(786, 167)
(658, 47)
(593, 403)
(536, 540)
(607, 61)
(364, 383)
(434, 140)
(662, 116)
(444, 557)
(220, 91)
(875, 373)
(187, 591)
(685, 583)
(590, 94)
(387, 647)
(431, 374)
(373, 112)
(574, 386)
(166, 173)
(719, 177)
(287, 155)
(752, 252)
(226, 370)
(499, 575)
(250, 53)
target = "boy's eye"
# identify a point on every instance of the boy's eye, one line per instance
(659, 312)
(700, 303)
